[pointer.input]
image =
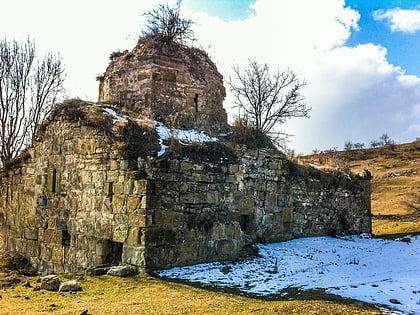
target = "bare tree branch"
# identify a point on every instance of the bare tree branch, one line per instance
(165, 25)
(268, 99)
(28, 91)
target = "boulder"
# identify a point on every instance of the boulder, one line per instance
(69, 286)
(122, 271)
(50, 283)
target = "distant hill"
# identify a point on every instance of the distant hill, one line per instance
(395, 182)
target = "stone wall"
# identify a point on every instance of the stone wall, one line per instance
(78, 197)
(175, 84)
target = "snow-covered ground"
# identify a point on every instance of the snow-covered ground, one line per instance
(383, 272)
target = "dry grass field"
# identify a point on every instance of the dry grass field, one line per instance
(395, 187)
(147, 295)
(395, 206)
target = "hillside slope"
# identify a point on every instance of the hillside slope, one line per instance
(395, 182)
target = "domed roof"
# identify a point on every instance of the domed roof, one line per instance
(176, 84)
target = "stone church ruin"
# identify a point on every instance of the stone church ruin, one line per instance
(100, 184)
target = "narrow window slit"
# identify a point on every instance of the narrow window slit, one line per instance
(196, 102)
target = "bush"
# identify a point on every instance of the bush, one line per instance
(251, 137)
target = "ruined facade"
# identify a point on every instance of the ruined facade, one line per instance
(93, 189)
(175, 84)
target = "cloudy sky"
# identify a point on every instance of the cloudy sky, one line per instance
(360, 57)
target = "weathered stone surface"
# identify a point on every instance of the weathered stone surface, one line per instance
(122, 271)
(93, 191)
(97, 271)
(50, 283)
(141, 79)
(69, 286)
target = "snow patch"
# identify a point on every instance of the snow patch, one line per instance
(116, 117)
(192, 136)
(382, 272)
(164, 133)
(314, 165)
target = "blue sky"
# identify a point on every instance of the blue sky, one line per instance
(359, 56)
(403, 48)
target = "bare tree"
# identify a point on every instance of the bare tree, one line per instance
(348, 145)
(375, 143)
(268, 99)
(165, 24)
(359, 146)
(28, 90)
(386, 140)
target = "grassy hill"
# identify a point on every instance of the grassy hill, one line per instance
(395, 183)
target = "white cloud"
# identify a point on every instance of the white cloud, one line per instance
(407, 21)
(355, 93)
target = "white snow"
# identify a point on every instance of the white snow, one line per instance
(314, 165)
(192, 136)
(383, 272)
(184, 136)
(117, 118)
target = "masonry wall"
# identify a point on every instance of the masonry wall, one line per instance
(76, 199)
(212, 212)
(175, 84)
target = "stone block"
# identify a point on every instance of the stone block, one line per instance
(133, 203)
(97, 271)
(246, 205)
(261, 185)
(52, 236)
(270, 201)
(32, 248)
(133, 236)
(190, 198)
(137, 219)
(112, 176)
(57, 254)
(120, 218)
(153, 202)
(186, 166)
(119, 204)
(159, 236)
(169, 219)
(133, 255)
(30, 233)
(142, 187)
(118, 188)
(230, 179)
(201, 177)
(233, 168)
(183, 188)
(212, 197)
(119, 233)
(218, 232)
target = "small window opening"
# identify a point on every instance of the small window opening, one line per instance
(54, 181)
(109, 190)
(196, 102)
(65, 238)
(112, 252)
(244, 222)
